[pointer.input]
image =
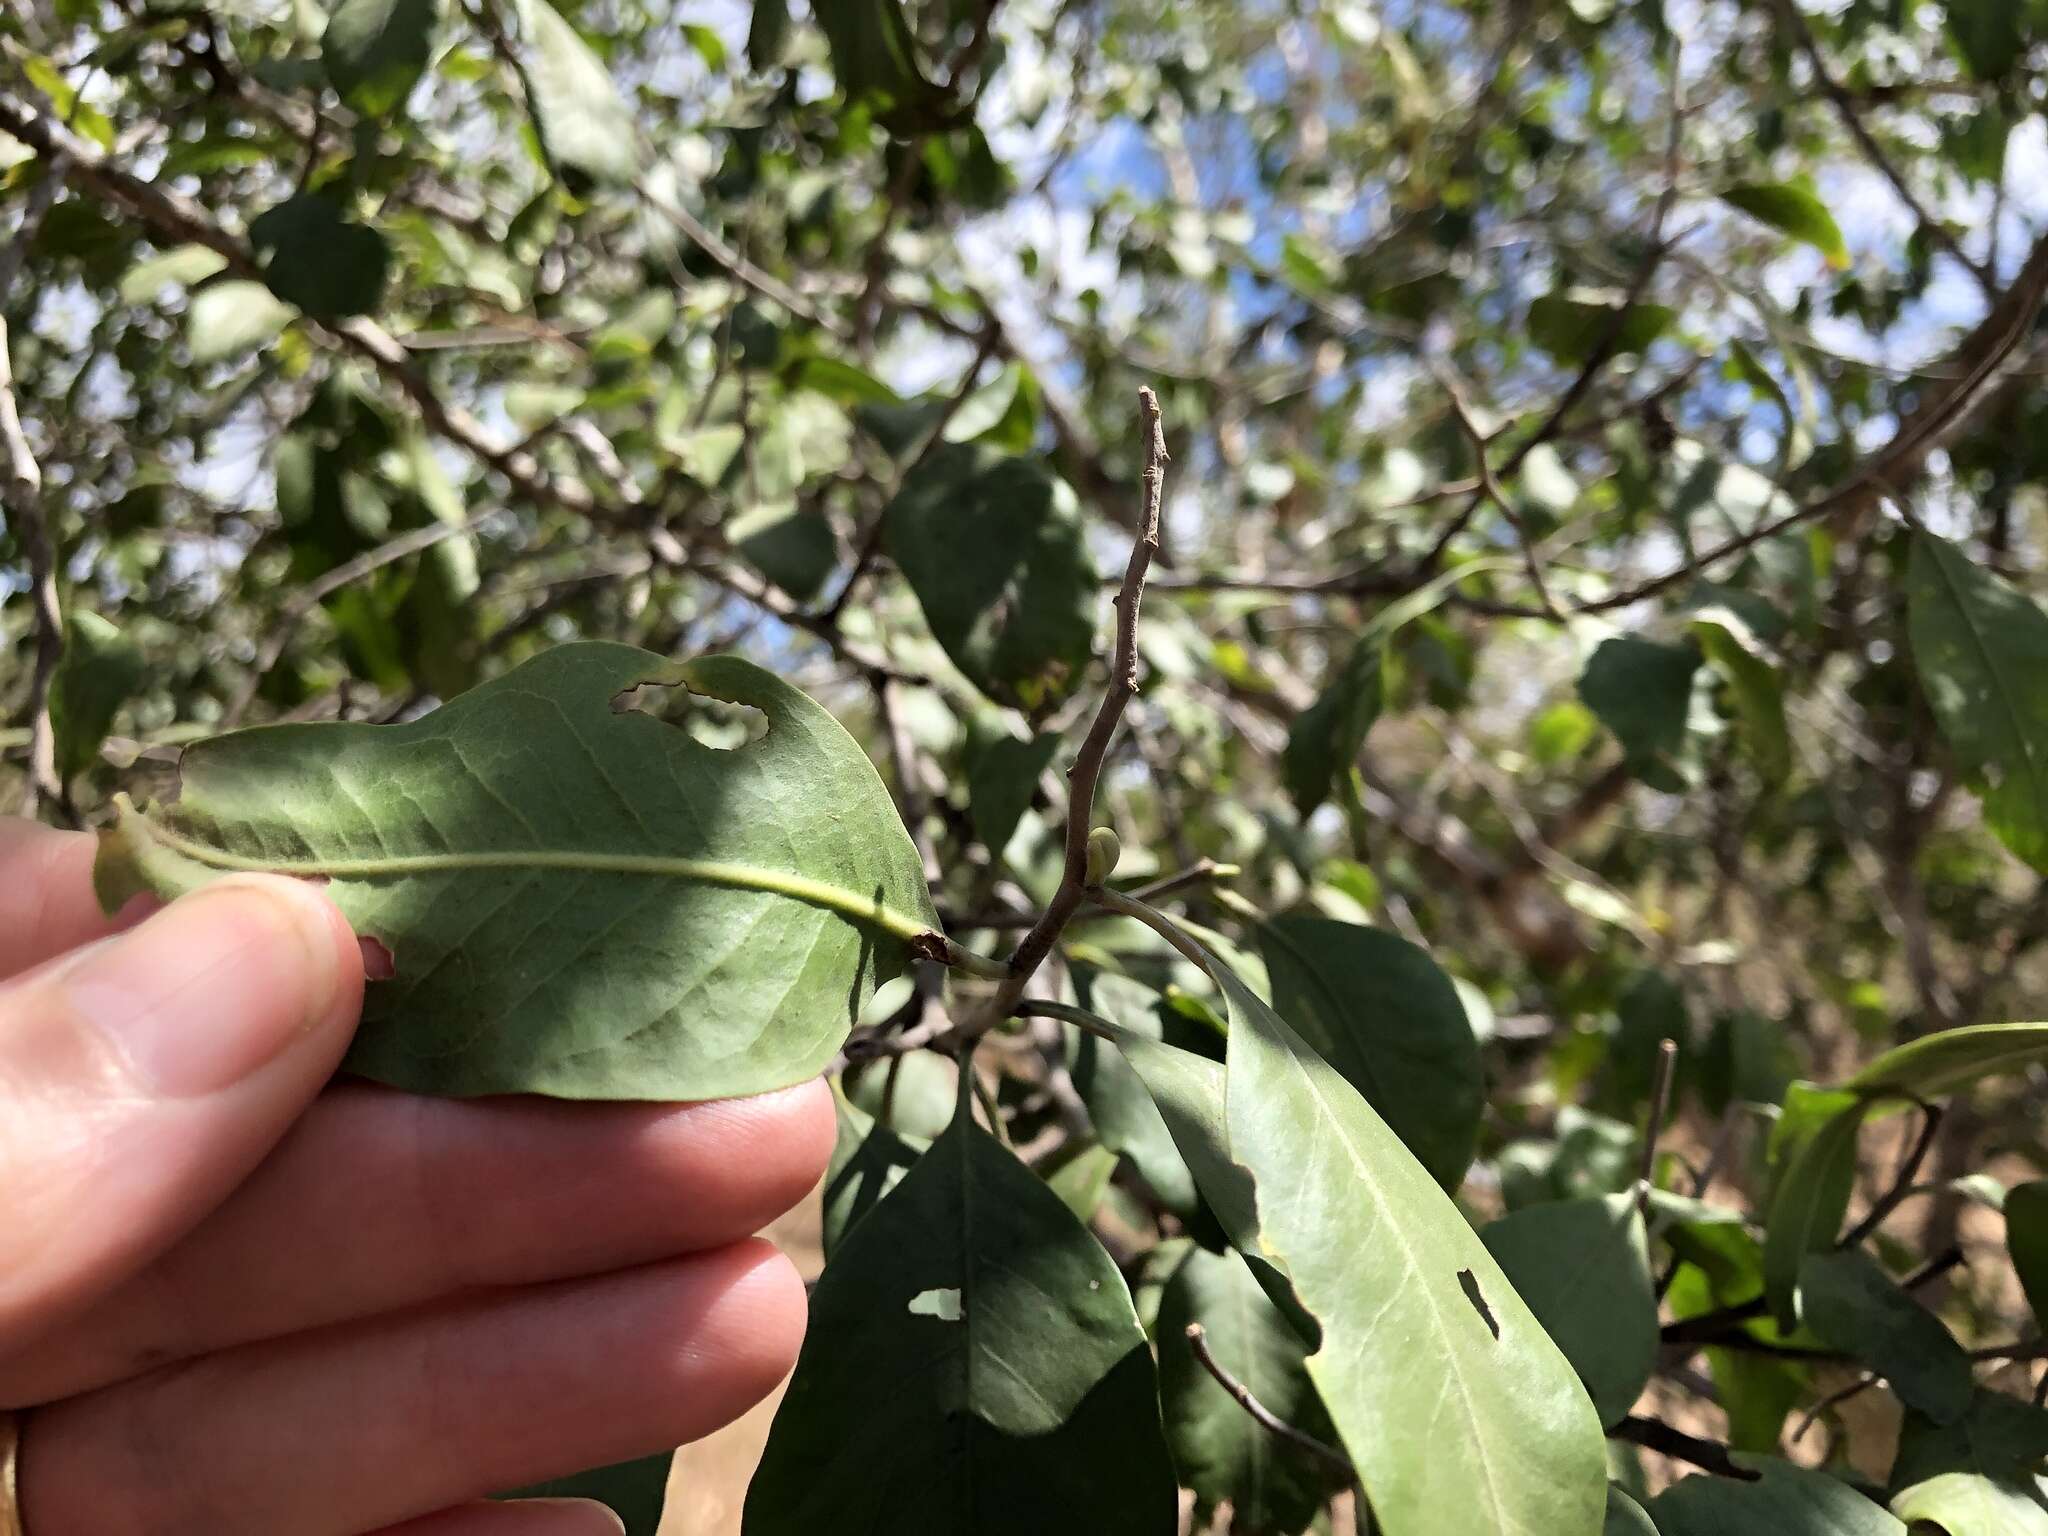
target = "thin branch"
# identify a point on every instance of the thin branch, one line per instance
(1846, 109)
(1087, 766)
(1198, 873)
(1241, 1394)
(1490, 490)
(1707, 1455)
(1902, 1180)
(736, 266)
(1834, 1399)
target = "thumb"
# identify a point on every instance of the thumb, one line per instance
(142, 1077)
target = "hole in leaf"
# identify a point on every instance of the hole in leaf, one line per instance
(378, 963)
(713, 723)
(1469, 1284)
(942, 1303)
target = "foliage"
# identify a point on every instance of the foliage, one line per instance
(627, 492)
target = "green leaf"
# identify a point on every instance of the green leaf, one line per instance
(867, 1161)
(2026, 1239)
(1642, 691)
(992, 546)
(320, 260)
(231, 317)
(2000, 1438)
(1980, 647)
(1625, 1517)
(1951, 1059)
(1852, 1305)
(1814, 1151)
(576, 900)
(1381, 1012)
(180, 267)
(100, 671)
(1570, 325)
(1969, 1504)
(585, 127)
(1988, 35)
(789, 542)
(1792, 210)
(1583, 1266)
(973, 1364)
(1456, 1407)
(633, 1490)
(1784, 1501)
(1326, 738)
(1225, 1455)
(1081, 1177)
(1001, 781)
(1732, 649)
(376, 50)
(874, 54)
(767, 34)
(1121, 1109)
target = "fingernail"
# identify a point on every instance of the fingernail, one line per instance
(214, 986)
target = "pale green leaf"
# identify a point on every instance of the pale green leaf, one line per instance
(585, 126)
(226, 318)
(1583, 1266)
(575, 899)
(1970, 1504)
(180, 267)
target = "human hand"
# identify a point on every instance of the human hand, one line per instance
(236, 1300)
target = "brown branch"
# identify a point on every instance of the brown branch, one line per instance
(1490, 490)
(1902, 1180)
(1082, 776)
(1198, 1341)
(1707, 1455)
(1845, 108)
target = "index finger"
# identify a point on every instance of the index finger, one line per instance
(47, 904)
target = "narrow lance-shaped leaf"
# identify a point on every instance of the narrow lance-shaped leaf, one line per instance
(1456, 1407)
(1814, 1152)
(1980, 647)
(1792, 210)
(573, 899)
(973, 1363)
(2026, 1240)
(100, 670)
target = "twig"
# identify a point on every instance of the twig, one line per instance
(736, 266)
(1241, 1394)
(1037, 943)
(1902, 1180)
(1834, 1399)
(1654, 1435)
(1490, 490)
(1198, 873)
(1653, 1127)
(1845, 108)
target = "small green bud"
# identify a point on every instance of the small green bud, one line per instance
(1104, 849)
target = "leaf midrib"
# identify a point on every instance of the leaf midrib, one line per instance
(817, 893)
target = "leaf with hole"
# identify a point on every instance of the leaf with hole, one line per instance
(1583, 1266)
(575, 899)
(973, 1363)
(1458, 1410)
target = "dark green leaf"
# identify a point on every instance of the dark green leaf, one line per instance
(767, 33)
(1981, 649)
(1814, 1161)
(1625, 1517)
(875, 54)
(1732, 649)
(576, 900)
(867, 1161)
(318, 259)
(1224, 1454)
(973, 1364)
(1642, 691)
(1852, 1305)
(1784, 1501)
(992, 546)
(1988, 35)
(1381, 1012)
(2026, 1239)
(1999, 1437)
(100, 671)
(376, 50)
(1583, 1266)
(584, 124)
(790, 543)
(1122, 1111)
(1792, 210)
(1001, 782)
(1327, 737)
(1570, 325)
